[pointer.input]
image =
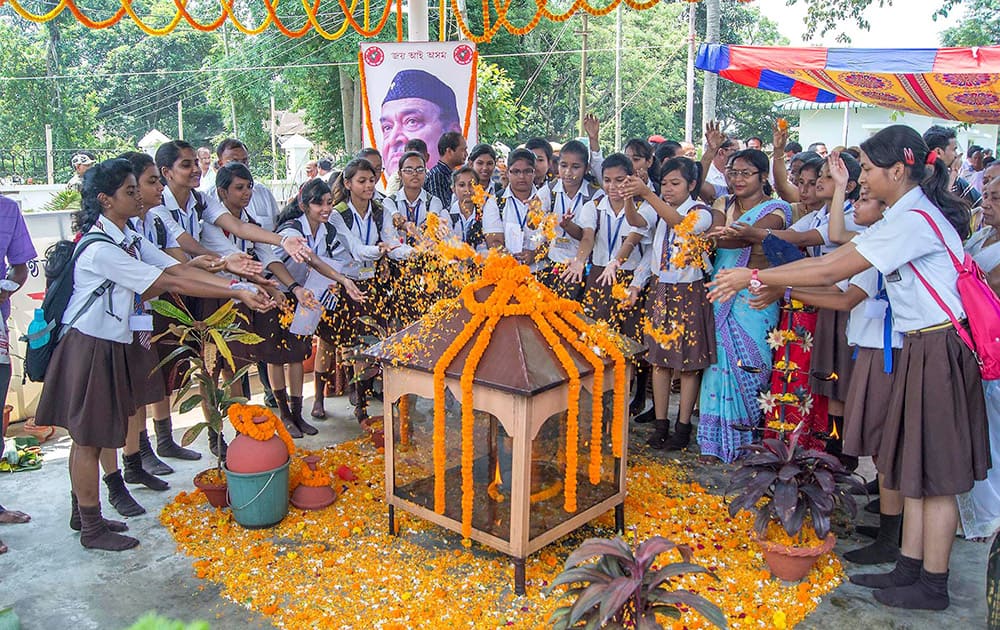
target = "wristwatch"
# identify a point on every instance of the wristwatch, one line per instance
(755, 283)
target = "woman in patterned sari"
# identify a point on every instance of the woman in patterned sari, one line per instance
(730, 387)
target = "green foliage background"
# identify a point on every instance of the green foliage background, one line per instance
(104, 89)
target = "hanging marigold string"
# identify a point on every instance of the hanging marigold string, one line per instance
(597, 404)
(572, 409)
(440, 453)
(606, 345)
(468, 422)
(404, 420)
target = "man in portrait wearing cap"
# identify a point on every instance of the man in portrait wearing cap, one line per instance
(417, 105)
(81, 163)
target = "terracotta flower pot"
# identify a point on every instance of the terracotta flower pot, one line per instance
(793, 563)
(216, 493)
(312, 497)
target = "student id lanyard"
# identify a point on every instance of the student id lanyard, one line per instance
(886, 327)
(613, 238)
(368, 226)
(517, 211)
(413, 213)
(562, 205)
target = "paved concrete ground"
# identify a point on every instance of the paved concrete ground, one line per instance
(55, 583)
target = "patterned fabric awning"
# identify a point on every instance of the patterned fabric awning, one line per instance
(951, 83)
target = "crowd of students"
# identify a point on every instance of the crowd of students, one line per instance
(625, 244)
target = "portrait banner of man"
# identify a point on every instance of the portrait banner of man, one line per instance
(417, 90)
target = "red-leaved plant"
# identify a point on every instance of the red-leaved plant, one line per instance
(621, 589)
(783, 482)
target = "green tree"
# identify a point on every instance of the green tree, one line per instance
(499, 115)
(980, 26)
(827, 16)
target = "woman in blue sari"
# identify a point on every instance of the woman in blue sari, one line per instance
(730, 387)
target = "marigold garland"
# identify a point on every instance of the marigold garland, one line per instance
(468, 422)
(242, 418)
(597, 400)
(404, 420)
(605, 343)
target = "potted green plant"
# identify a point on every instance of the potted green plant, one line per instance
(624, 589)
(202, 344)
(787, 486)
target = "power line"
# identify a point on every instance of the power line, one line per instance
(292, 66)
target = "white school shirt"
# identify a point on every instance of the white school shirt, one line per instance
(107, 318)
(866, 323)
(399, 204)
(819, 220)
(263, 206)
(358, 250)
(207, 181)
(515, 212)
(317, 243)
(185, 218)
(902, 237)
(460, 225)
(986, 257)
(147, 227)
(665, 237)
(223, 243)
(613, 230)
(564, 247)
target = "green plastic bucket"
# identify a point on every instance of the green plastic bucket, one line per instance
(259, 499)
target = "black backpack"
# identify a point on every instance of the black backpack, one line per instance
(348, 216)
(60, 265)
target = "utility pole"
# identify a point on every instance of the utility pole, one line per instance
(689, 109)
(232, 102)
(49, 159)
(180, 120)
(274, 140)
(711, 89)
(583, 70)
(618, 76)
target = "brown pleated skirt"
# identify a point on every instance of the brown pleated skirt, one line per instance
(686, 305)
(935, 441)
(831, 354)
(599, 303)
(867, 403)
(89, 391)
(343, 327)
(280, 346)
(172, 371)
(144, 379)
(550, 277)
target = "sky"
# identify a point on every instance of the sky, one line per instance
(906, 24)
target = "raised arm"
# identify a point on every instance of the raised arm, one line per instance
(838, 224)
(782, 186)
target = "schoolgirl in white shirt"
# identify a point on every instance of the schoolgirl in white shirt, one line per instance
(617, 251)
(510, 225)
(571, 191)
(678, 301)
(466, 217)
(365, 222)
(93, 380)
(309, 214)
(228, 227)
(935, 440)
(411, 204)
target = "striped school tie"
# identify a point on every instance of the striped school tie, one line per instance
(131, 247)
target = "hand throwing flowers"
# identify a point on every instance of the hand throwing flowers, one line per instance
(728, 282)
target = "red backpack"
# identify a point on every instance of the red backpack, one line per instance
(982, 308)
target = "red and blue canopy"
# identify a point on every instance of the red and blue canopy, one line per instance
(951, 83)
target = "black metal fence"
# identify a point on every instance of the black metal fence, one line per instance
(28, 166)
